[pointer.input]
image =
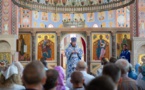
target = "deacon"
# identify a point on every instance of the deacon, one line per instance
(74, 55)
(125, 53)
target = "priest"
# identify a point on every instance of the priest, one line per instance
(125, 53)
(73, 54)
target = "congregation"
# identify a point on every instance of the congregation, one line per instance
(112, 75)
(72, 45)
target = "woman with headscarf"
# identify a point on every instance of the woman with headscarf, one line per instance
(43, 61)
(137, 68)
(132, 74)
(139, 77)
(20, 67)
(61, 78)
(10, 79)
(141, 83)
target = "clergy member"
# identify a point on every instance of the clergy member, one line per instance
(125, 53)
(74, 55)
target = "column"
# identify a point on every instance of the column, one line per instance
(113, 34)
(1, 16)
(33, 45)
(134, 28)
(13, 56)
(88, 49)
(58, 47)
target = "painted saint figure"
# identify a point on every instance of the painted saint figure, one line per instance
(125, 53)
(22, 43)
(3, 62)
(101, 48)
(46, 50)
(124, 41)
(73, 54)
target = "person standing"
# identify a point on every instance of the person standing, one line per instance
(34, 76)
(141, 82)
(77, 81)
(125, 83)
(61, 79)
(74, 55)
(81, 67)
(125, 53)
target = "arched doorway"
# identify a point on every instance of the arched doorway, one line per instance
(65, 41)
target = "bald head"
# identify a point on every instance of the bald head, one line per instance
(81, 65)
(123, 65)
(34, 73)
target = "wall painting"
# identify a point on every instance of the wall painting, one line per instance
(79, 16)
(66, 16)
(90, 17)
(55, 17)
(26, 18)
(110, 14)
(141, 15)
(44, 16)
(5, 58)
(101, 16)
(35, 15)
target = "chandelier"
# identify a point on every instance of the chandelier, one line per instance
(74, 22)
(72, 6)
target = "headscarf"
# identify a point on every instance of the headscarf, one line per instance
(20, 67)
(11, 70)
(143, 72)
(132, 74)
(136, 67)
(61, 85)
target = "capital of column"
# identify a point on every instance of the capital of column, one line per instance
(33, 33)
(113, 33)
(88, 33)
(58, 33)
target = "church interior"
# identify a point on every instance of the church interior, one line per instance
(26, 24)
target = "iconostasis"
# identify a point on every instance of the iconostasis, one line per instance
(101, 44)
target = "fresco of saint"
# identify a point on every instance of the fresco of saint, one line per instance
(90, 17)
(55, 17)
